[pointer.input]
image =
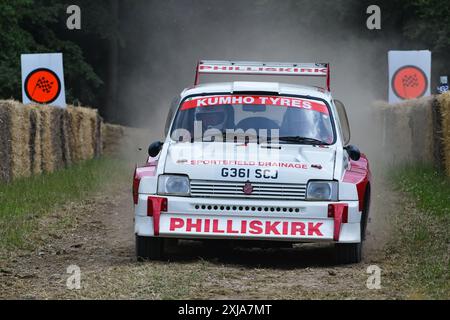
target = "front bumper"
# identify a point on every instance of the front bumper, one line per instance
(200, 218)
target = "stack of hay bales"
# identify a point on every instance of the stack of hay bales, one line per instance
(36, 139)
(408, 131)
(444, 104)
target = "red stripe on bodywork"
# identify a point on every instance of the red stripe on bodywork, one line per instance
(339, 211)
(154, 207)
(148, 170)
(359, 174)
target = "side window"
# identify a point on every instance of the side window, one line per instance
(343, 119)
(172, 110)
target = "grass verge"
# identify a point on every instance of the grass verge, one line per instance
(424, 231)
(25, 200)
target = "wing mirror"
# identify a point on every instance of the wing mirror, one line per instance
(155, 148)
(353, 152)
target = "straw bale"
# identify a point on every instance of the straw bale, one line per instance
(444, 100)
(5, 141)
(56, 118)
(48, 159)
(112, 136)
(408, 131)
(35, 143)
(20, 137)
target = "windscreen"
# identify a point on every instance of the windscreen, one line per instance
(224, 117)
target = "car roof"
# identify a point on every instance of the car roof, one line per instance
(256, 86)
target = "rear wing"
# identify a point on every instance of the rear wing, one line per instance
(263, 68)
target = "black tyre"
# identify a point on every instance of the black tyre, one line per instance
(149, 248)
(365, 213)
(347, 253)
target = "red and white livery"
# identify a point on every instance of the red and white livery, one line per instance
(257, 161)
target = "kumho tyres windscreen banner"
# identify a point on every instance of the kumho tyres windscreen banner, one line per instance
(409, 75)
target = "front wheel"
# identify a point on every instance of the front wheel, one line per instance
(149, 248)
(347, 253)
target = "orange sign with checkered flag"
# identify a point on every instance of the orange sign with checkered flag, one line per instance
(409, 74)
(42, 86)
(43, 79)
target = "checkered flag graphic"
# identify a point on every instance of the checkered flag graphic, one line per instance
(410, 81)
(44, 85)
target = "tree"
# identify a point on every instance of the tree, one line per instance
(429, 22)
(38, 26)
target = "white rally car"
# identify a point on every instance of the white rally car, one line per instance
(258, 161)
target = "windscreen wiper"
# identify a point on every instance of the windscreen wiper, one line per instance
(302, 140)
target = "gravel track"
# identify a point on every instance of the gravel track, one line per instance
(100, 241)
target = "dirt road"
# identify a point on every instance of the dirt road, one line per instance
(99, 239)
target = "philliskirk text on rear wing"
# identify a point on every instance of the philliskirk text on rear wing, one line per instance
(263, 68)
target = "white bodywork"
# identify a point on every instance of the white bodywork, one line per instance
(257, 216)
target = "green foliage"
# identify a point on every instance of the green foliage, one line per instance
(39, 26)
(25, 200)
(429, 23)
(430, 188)
(423, 231)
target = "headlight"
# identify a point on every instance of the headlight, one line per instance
(174, 185)
(322, 190)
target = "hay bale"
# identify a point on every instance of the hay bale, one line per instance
(88, 132)
(20, 137)
(408, 131)
(397, 140)
(95, 133)
(112, 136)
(437, 136)
(422, 130)
(85, 136)
(47, 156)
(5, 141)
(56, 117)
(74, 131)
(98, 141)
(65, 139)
(444, 102)
(70, 138)
(35, 140)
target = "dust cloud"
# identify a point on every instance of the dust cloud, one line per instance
(164, 40)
